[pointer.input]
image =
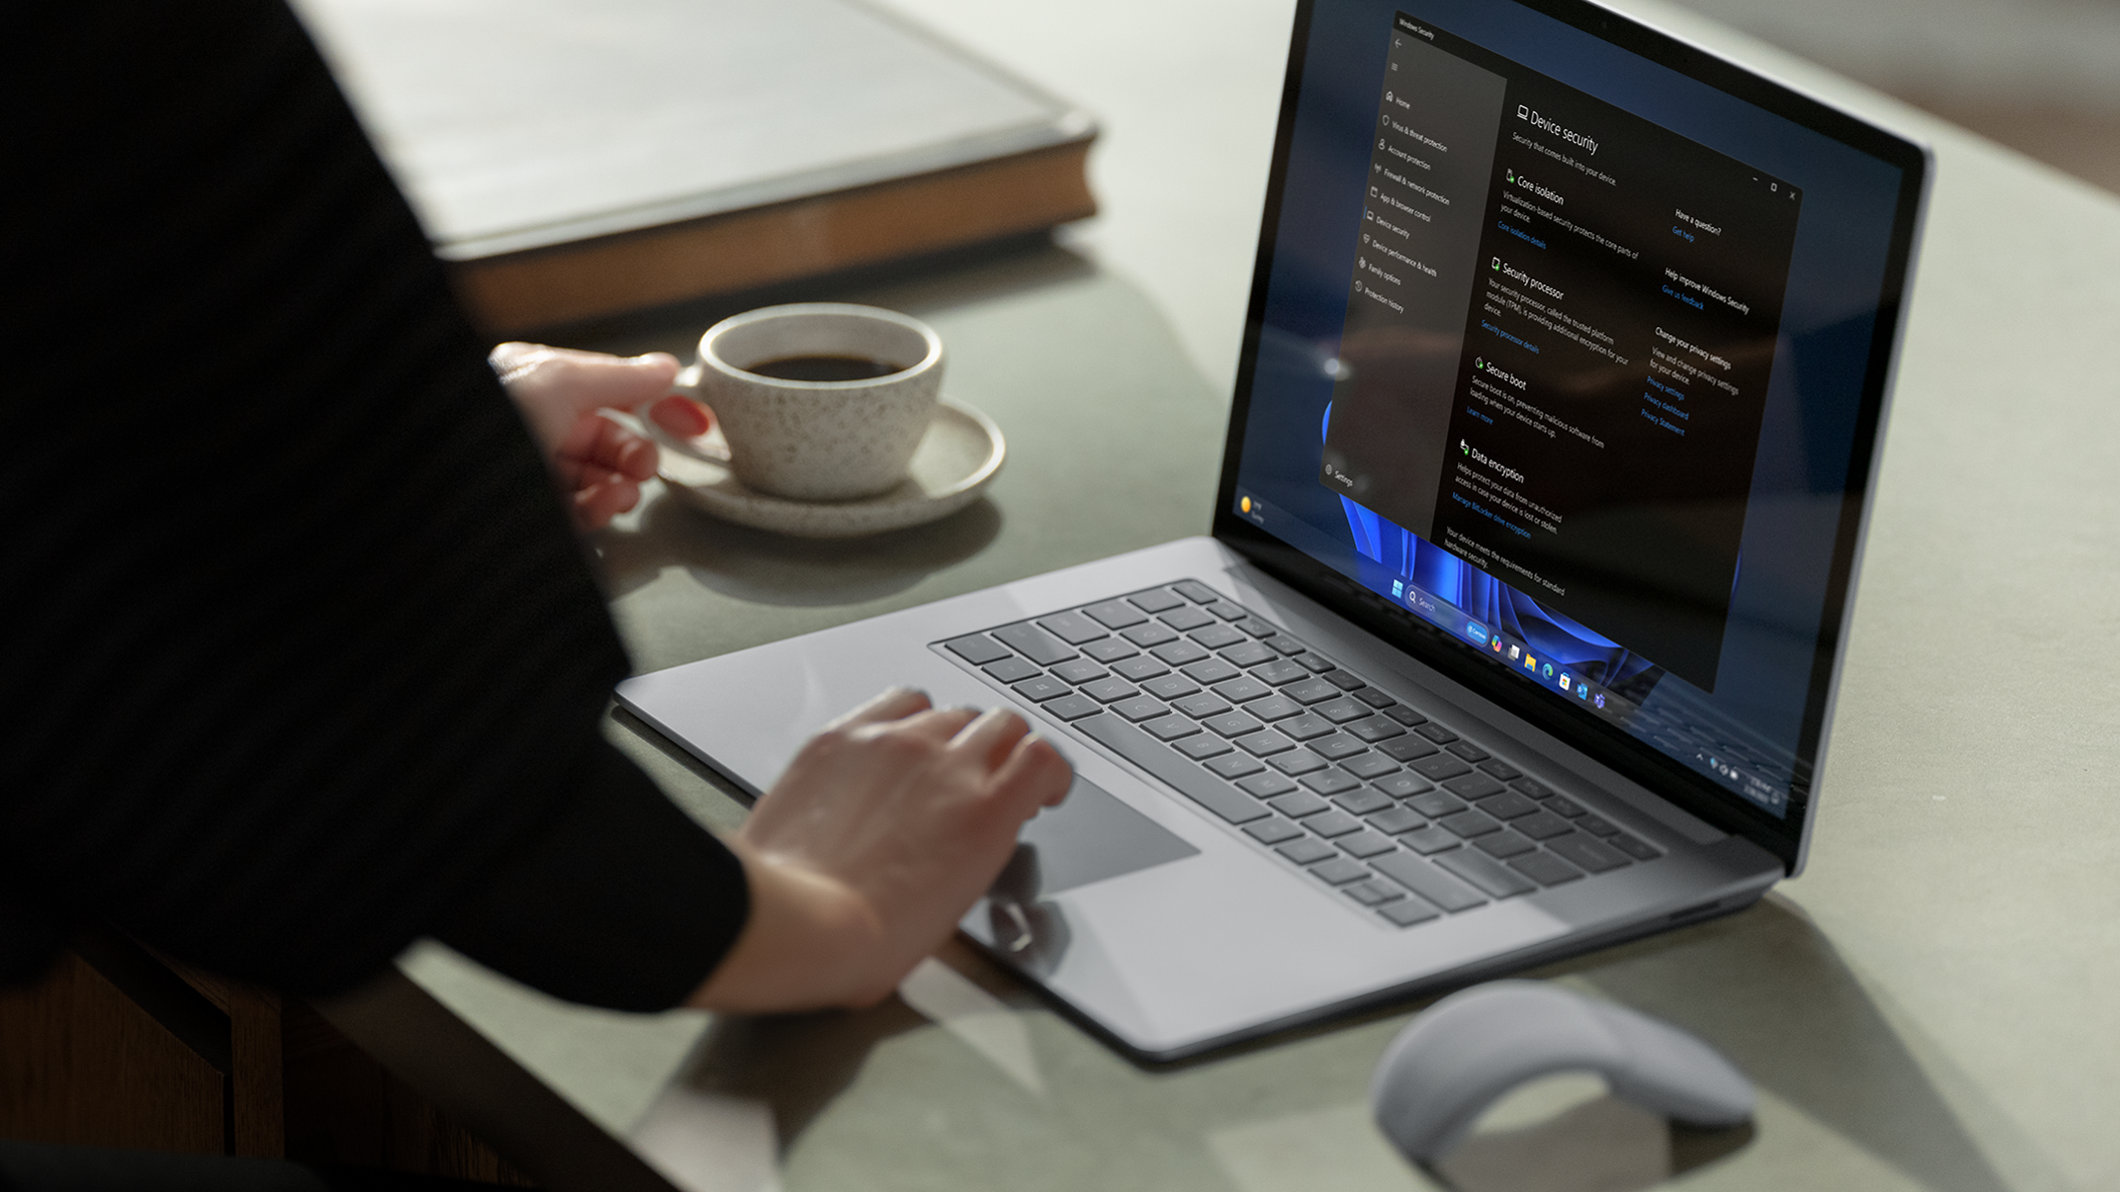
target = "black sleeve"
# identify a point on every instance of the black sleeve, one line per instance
(304, 660)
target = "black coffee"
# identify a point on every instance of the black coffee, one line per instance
(823, 368)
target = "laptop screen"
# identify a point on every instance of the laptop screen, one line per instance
(1566, 360)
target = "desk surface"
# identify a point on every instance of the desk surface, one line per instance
(1930, 1006)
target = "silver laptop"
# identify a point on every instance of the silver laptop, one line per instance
(1547, 468)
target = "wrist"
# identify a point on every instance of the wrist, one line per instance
(809, 943)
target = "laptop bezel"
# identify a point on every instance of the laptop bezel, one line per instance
(1637, 760)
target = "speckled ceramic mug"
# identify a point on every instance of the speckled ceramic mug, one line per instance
(820, 440)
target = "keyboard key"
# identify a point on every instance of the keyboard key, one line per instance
(1299, 804)
(976, 648)
(1407, 749)
(1264, 744)
(1436, 805)
(1248, 654)
(1186, 618)
(1332, 823)
(1501, 769)
(1439, 767)
(1545, 869)
(1165, 763)
(1306, 727)
(1504, 844)
(1200, 746)
(1366, 844)
(1339, 871)
(1361, 765)
(1597, 825)
(1468, 824)
(1331, 782)
(1436, 733)
(1532, 787)
(1424, 879)
(1490, 875)
(1344, 680)
(1170, 686)
(1469, 751)
(1035, 643)
(1140, 708)
(1072, 628)
(1228, 611)
(1235, 765)
(1359, 800)
(1140, 667)
(1342, 710)
(1081, 670)
(1429, 840)
(1273, 707)
(1196, 591)
(1040, 688)
(1170, 728)
(1592, 855)
(1151, 635)
(1201, 706)
(1258, 627)
(1155, 600)
(1405, 715)
(1265, 786)
(1311, 691)
(1375, 729)
(1464, 786)
(1277, 672)
(1072, 707)
(1272, 831)
(1397, 819)
(1215, 637)
(1373, 892)
(1638, 849)
(1010, 669)
(1297, 763)
(1316, 663)
(1543, 825)
(1402, 786)
(1108, 650)
(1115, 614)
(1558, 804)
(1508, 805)
(1110, 690)
(1336, 746)
(1286, 644)
(1241, 689)
(1307, 851)
(1231, 724)
(1210, 670)
(1408, 911)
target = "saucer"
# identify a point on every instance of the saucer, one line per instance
(959, 456)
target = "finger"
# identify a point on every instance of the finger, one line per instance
(895, 704)
(1034, 776)
(991, 736)
(576, 382)
(941, 724)
(597, 504)
(597, 440)
(681, 416)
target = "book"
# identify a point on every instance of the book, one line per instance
(572, 159)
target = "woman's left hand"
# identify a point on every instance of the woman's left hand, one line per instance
(598, 464)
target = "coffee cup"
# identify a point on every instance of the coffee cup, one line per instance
(819, 401)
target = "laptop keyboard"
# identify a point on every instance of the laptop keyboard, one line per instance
(1401, 813)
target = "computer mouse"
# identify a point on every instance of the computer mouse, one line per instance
(1461, 1054)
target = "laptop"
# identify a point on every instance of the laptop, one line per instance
(1567, 359)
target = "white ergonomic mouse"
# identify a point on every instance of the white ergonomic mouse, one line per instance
(1461, 1054)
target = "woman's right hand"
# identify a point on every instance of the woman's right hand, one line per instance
(884, 830)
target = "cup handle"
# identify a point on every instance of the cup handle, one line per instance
(688, 378)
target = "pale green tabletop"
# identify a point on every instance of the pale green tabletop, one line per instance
(1931, 1006)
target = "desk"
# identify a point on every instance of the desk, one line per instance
(1930, 1006)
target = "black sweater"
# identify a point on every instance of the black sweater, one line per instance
(304, 660)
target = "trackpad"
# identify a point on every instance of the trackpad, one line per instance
(1090, 837)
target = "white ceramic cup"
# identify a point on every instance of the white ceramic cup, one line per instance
(819, 440)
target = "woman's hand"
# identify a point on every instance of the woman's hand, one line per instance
(867, 851)
(598, 464)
